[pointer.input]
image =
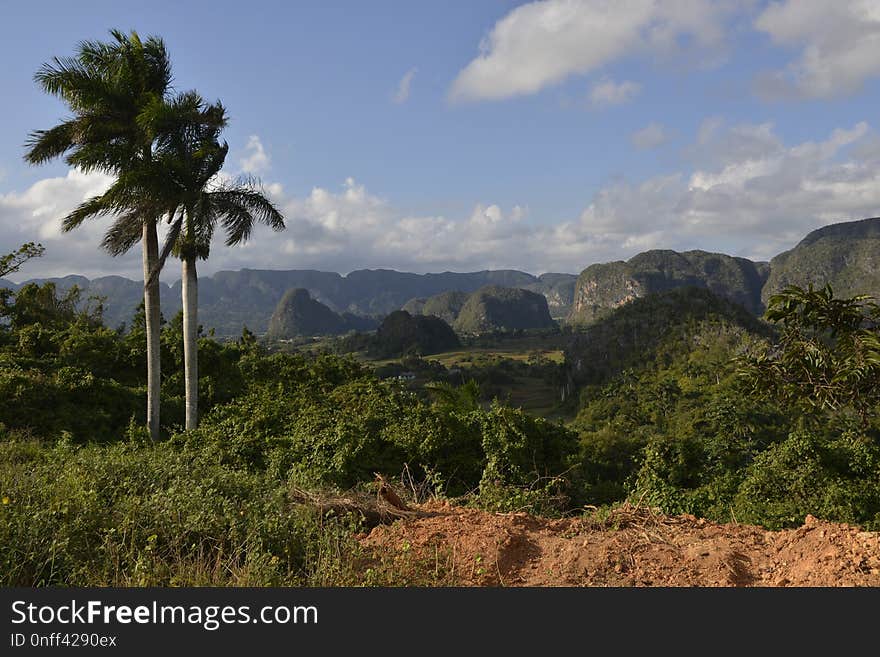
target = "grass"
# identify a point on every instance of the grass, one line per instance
(534, 396)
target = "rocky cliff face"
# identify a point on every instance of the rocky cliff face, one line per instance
(602, 287)
(845, 255)
(558, 290)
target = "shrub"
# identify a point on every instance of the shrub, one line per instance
(808, 474)
(138, 514)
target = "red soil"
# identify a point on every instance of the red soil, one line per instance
(632, 547)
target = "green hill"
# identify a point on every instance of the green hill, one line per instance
(229, 300)
(446, 305)
(846, 255)
(602, 287)
(631, 335)
(402, 334)
(297, 314)
(495, 308)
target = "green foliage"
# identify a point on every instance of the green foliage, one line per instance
(39, 304)
(134, 514)
(62, 370)
(340, 433)
(463, 398)
(679, 430)
(655, 330)
(828, 356)
(665, 421)
(810, 474)
(520, 448)
(12, 262)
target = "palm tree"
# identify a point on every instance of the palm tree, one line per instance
(196, 200)
(113, 90)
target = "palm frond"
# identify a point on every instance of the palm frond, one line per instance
(45, 145)
(120, 198)
(125, 232)
(240, 205)
(97, 206)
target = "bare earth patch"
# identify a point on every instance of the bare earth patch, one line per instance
(631, 547)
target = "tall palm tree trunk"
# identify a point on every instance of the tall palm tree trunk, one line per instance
(190, 285)
(151, 313)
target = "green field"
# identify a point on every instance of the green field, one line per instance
(516, 370)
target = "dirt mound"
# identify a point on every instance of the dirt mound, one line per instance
(630, 547)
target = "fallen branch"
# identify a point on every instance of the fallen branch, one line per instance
(384, 509)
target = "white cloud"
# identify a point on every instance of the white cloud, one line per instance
(35, 215)
(542, 43)
(749, 194)
(402, 93)
(651, 136)
(256, 159)
(752, 195)
(839, 42)
(352, 228)
(607, 93)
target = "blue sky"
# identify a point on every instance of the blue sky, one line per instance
(431, 136)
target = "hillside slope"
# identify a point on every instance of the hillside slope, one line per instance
(446, 305)
(629, 336)
(602, 287)
(297, 314)
(494, 308)
(845, 255)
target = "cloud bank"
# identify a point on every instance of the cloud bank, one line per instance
(748, 194)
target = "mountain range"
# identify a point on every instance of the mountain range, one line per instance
(845, 255)
(230, 300)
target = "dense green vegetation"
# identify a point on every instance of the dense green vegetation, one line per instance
(702, 414)
(695, 407)
(88, 499)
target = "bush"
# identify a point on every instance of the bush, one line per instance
(808, 474)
